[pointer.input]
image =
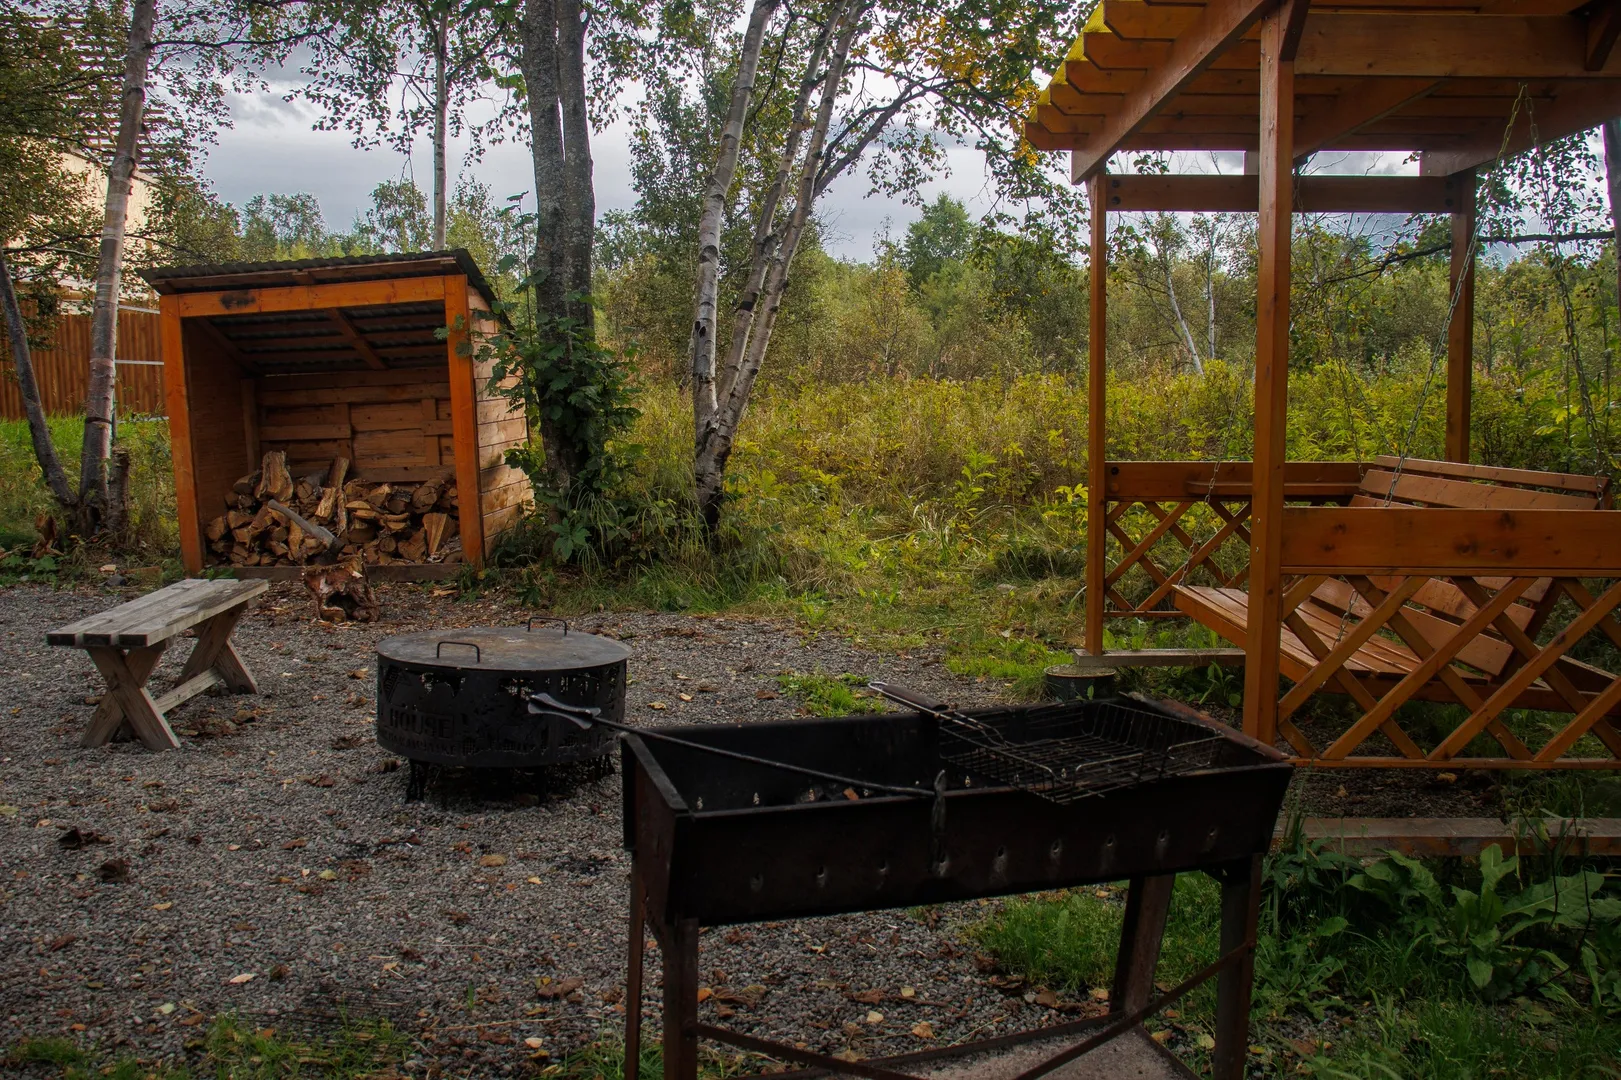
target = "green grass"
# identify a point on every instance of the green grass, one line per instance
(829, 695)
(230, 1050)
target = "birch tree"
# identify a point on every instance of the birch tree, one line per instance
(884, 87)
(389, 70)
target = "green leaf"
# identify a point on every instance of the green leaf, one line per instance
(1480, 972)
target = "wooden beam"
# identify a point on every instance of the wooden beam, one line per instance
(1097, 536)
(464, 417)
(1432, 540)
(1292, 13)
(1313, 194)
(217, 338)
(1218, 24)
(1430, 45)
(1276, 190)
(1345, 114)
(1461, 325)
(348, 331)
(171, 338)
(1578, 107)
(311, 297)
(1603, 27)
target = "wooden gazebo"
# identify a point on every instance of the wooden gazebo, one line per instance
(1389, 581)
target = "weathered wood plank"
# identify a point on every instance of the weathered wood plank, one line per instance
(157, 616)
(1442, 541)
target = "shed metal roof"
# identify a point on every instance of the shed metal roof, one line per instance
(211, 277)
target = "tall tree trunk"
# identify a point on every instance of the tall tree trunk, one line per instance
(441, 122)
(28, 388)
(1612, 170)
(579, 199)
(715, 448)
(93, 502)
(702, 349)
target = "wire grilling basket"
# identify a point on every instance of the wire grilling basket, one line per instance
(1068, 752)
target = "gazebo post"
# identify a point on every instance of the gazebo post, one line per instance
(1096, 476)
(1461, 325)
(1279, 34)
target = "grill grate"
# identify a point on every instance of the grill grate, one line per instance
(1068, 752)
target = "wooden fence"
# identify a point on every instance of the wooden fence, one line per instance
(63, 369)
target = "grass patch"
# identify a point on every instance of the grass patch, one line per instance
(829, 695)
(605, 1060)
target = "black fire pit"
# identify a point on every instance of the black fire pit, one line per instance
(457, 697)
(719, 840)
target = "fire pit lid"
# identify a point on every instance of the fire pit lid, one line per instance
(508, 648)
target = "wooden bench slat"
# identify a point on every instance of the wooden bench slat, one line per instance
(1464, 494)
(157, 616)
(1574, 483)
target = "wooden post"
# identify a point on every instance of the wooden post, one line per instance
(1271, 370)
(464, 418)
(1097, 539)
(1461, 326)
(172, 336)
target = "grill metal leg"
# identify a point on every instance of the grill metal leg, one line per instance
(681, 1001)
(1240, 918)
(633, 979)
(1147, 904)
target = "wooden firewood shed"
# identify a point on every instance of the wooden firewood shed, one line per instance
(332, 359)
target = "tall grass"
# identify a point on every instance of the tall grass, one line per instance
(152, 535)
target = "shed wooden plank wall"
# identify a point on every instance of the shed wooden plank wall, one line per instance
(391, 425)
(220, 448)
(63, 369)
(504, 492)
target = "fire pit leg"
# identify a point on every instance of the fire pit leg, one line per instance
(680, 947)
(1147, 904)
(1240, 916)
(633, 977)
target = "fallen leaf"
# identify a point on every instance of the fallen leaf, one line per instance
(533, 880)
(7, 811)
(1446, 778)
(165, 906)
(1100, 993)
(295, 843)
(847, 1055)
(77, 839)
(772, 695)
(868, 997)
(359, 673)
(1161, 1036)
(238, 980)
(280, 972)
(708, 688)
(533, 1042)
(562, 989)
(684, 697)
(460, 918)
(923, 1029)
(1205, 1042)
(322, 781)
(1047, 998)
(908, 992)
(493, 860)
(850, 793)
(62, 942)
(166, 1008)
(704, 994)
(657, 706)
(193, 1020)
(875, 1017)
(113, 871)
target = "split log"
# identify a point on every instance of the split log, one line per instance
(342, 593)
(433, 531)
(216, 528)
(276, 482)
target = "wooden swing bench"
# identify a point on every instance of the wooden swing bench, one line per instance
(1468, 639)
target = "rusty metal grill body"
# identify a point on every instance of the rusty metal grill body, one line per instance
(718, 841)
(455, 697)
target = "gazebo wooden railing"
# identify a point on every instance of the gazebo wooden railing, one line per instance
(1461, 85)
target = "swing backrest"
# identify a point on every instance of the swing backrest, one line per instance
(1439, 606)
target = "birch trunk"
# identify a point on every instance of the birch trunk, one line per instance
(93, 501)
(715, 449)
(441, 122)
(702, 346)
(28, 388)
(1612, 173)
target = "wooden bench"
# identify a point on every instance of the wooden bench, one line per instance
(127, 642)
(1331, 638)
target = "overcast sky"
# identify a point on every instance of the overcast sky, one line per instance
(272, 148)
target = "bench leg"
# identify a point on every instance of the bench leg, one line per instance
(133, 702)
(109, 714)
(214, 650)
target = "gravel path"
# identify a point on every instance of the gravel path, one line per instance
(272, 866)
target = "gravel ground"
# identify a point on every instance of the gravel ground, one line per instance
(272, 866)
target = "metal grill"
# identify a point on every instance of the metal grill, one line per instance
(1069, 751)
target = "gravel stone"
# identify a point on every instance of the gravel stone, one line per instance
(272, 866)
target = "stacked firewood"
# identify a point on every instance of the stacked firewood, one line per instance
(275, 519)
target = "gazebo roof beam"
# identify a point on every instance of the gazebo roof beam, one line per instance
(1440, 45)
(1603, 27)
(1219, 24)
(1580, 107)
(1341, 116)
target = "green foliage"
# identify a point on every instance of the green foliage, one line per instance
(829, 695)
